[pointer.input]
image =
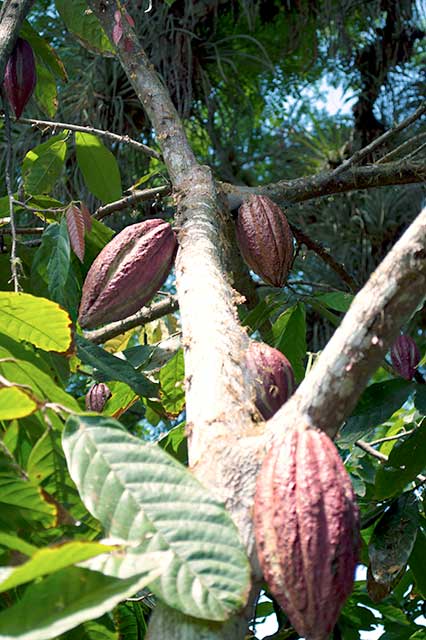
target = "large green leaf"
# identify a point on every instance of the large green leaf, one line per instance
(141, 494)
(59, 262)
(65, 599)
(84, 25)
(49, 560)
(44, 51)
(46, 93)
(10, 541)
(42, 165)
(289, 332)
(15, 403)
(108, 367)
(338, 300)
(376, 405)
(98, 166)
(36, 320)
(406, 460)
(172, 388)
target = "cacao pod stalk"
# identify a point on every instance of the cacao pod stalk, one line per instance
(265, 239)
(97, 397)
(273, 377)
(127, 273)
(405, 356)
(306, 525)
(20, 76)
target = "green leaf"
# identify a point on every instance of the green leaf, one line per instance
(172, 389)
(15, 403)
(393, 539)
(376, 405)
(289, 332)
(10, 541)
(27, 373)
(101, 629)
(44, 51)
(162, 507)
(46, 457)
(46, 93)
(99, 167)
(28, 498)
(59, 263)
(420, 398)
(42, 165)
(108, 367)
(406, 460)
(339, 301)
(49, 560)
(36, 320)
(84, 26)
(65, 599)
(417, 562)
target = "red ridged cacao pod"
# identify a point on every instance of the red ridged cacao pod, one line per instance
(20, 76)
(273, 377)
(265, 239)
(306, 525)
(127, 273)
(405, 356)
(97, 397)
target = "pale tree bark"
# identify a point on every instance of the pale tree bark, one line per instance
(226, 444)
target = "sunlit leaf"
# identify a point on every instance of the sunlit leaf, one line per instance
(15, 403)
(98, 166)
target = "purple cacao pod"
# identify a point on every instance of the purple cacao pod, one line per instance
(265, 239)
(127, 273)
(273, 377)
(405, 356)
(20, 76)
(306, 525)
(97, 397)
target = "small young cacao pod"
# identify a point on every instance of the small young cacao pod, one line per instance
(127, 273)
(265, 239)
(20, 76)
(306, 526)
(273, 377)
(97, 397)
(405, 356)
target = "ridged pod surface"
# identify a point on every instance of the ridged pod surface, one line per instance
(127, 273)
(265, 239)
(405, 356)
(307, 530)
(20, 76)
(273, 377)
(97, 397)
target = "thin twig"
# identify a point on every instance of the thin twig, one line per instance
(390, 438)
(380, 456)
(404, 145)
(14, 260)
(145, 315)
(98, 132)
(129, 201)
(23, 231)
(415, 151)
(325, 256)
(365, 151)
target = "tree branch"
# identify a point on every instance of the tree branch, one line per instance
(48, 124)
(367, 150)
(145, 315)
(330, 391)
(12, 16)
(129, 201)
(286, 192)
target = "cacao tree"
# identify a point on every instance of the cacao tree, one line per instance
(205, 280)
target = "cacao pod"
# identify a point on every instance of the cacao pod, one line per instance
(97, 396)
(405, 356)
(20, 76)
(127, 273)
(306, 525)
(273, 377)
(265, 239)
